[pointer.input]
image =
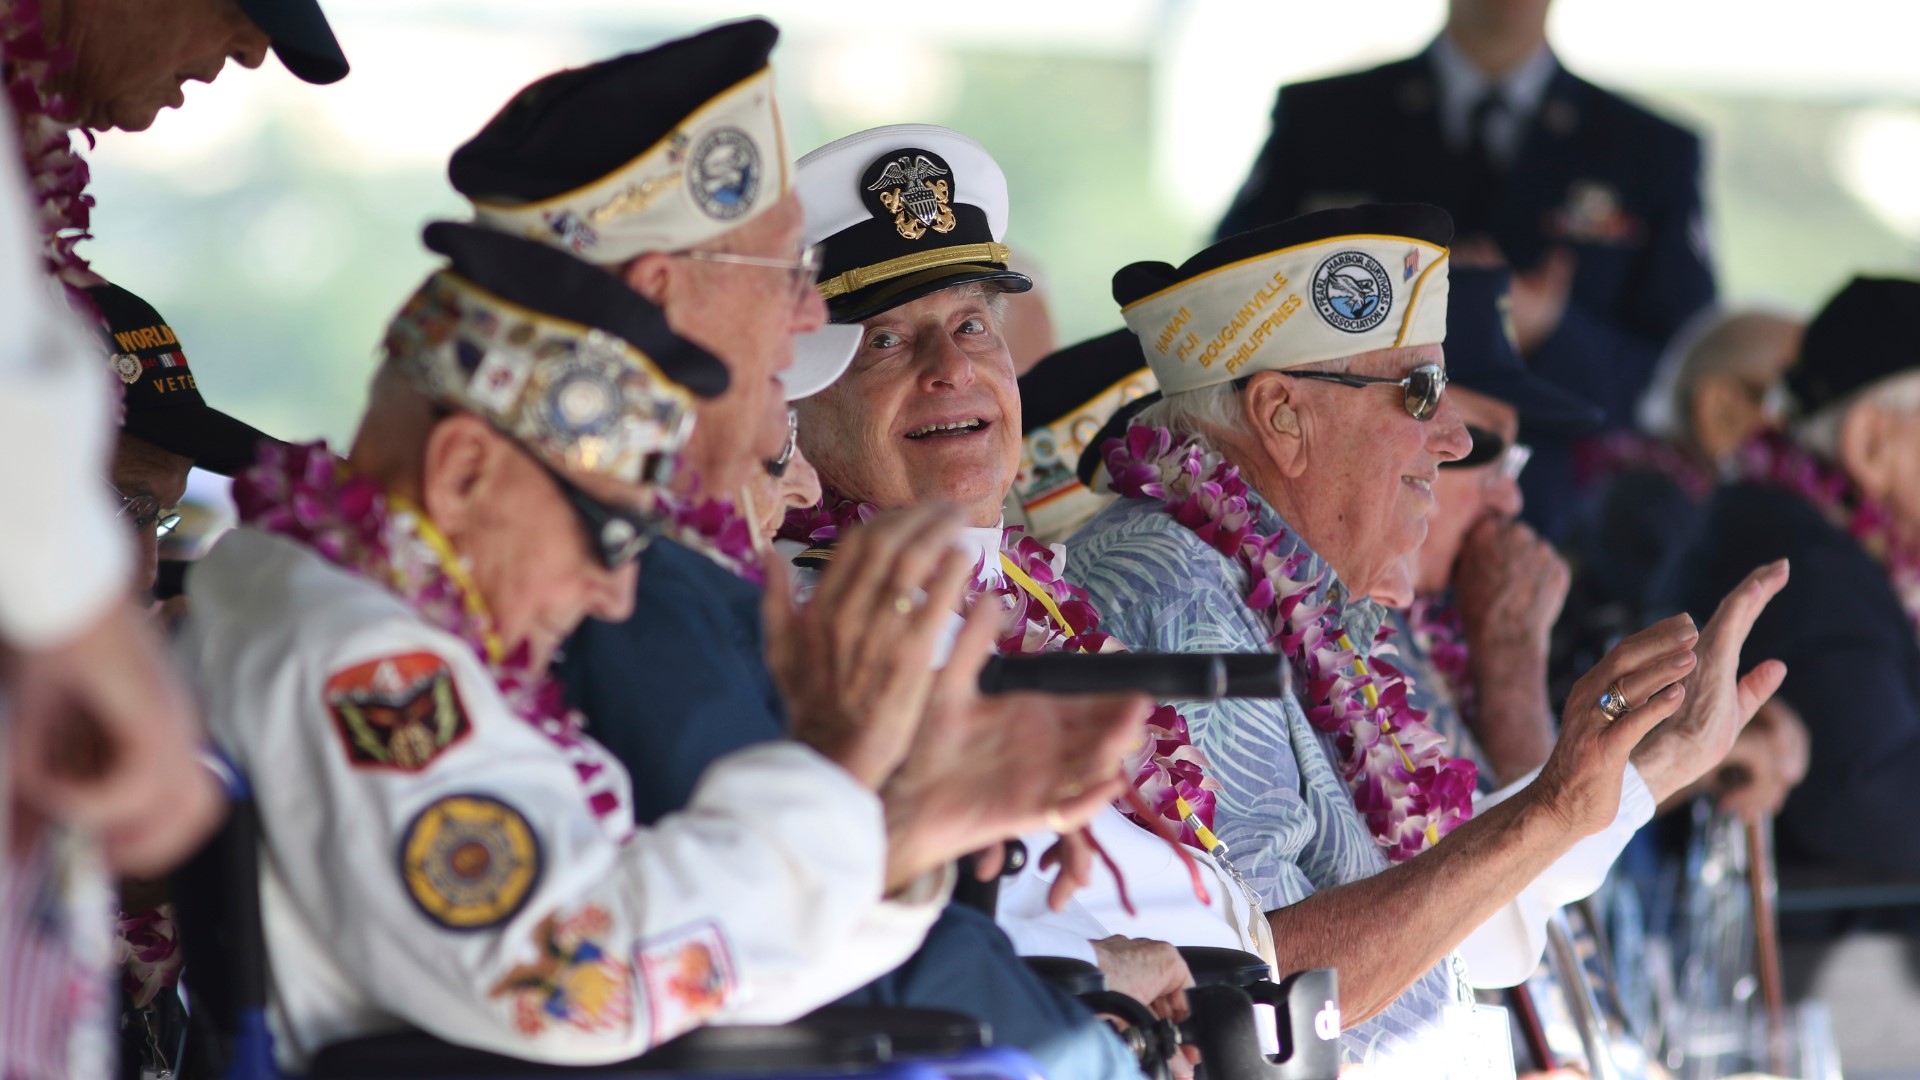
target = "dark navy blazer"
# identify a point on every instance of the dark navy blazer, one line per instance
(1853, 670)
(1594, 173)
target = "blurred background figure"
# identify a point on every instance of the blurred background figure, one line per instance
(1593, 200)
(1070, 403)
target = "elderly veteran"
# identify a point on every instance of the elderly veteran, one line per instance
(715, 239)
(372, 647)
(910, 220)
(1840, 495)
(1283, 481)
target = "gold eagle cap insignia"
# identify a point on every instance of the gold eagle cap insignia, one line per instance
(911, 191)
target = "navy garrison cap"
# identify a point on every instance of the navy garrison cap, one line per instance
(652, 151)
(1864, 334)
(1483, 355)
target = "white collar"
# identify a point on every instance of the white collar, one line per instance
(1462, 84)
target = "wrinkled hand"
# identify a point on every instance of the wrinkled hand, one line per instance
(984, 768)
(1150, 972)
(1510, 585)
(106, 738)
(854, 670)
(1719, 700)
(1540, 299)
(1580, 783)
(1767, 762)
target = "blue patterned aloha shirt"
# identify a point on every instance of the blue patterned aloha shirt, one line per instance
(1283, 811)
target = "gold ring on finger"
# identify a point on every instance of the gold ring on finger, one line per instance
(903, 604)
(1056, 823)
(1071, 790)
(1614, 703)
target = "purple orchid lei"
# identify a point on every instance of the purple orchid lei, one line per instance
(1169, 767)
(714, 527)
(304, 493)
(56, 174)
(1773, 458)
(1404, 784)
(1437, 629)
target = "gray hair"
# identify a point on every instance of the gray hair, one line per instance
(1820, 432)
(1212, 413)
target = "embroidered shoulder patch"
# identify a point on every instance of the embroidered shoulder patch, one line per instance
(397, 712)
(575, 981)
(687, 975)
(469, 861)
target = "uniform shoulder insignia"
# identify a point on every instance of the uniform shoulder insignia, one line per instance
(397, 712)
(816, 557)
(573, 980)
(469, 861)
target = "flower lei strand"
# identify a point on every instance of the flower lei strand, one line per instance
(1403, 783)
(1170, 769)
(1437, 629)
(1773, 458)
(714, 527)
(56, 174)
(304, 493)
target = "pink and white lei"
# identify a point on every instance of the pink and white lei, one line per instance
(714, 528)
(304, 493)
(1169, 766)
(1773, 458)
(1437, 629)
(1396, 767)
(56, 174)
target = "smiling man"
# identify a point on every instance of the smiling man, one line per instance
(1283, 480)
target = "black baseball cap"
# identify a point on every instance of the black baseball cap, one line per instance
(1864, 334)
(301, 38)
(1483, 355)
(164, 406)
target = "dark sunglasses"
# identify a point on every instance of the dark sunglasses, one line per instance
(777, 467)
(615, 535)
(1421, 388)
(1487, 447)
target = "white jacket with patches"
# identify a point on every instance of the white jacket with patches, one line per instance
(759, 902)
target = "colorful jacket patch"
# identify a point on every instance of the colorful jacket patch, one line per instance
(687, 975)
(397, 712)
(469, 861)
(574, 982)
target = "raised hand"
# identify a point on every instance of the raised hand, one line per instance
(1580, 782)
(855, 664)
(1720, 700)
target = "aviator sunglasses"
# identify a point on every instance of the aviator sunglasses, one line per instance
(615, 535)
(1421, 388)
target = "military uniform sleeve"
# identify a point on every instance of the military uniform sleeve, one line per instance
(1608, 357)
(65, 559)
(452, 856)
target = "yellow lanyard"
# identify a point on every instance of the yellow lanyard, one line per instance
(1373, 702)
(456, 568)
(1032, 588)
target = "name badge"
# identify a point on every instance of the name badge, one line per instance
(1481, 1043)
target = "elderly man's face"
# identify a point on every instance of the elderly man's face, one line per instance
(132, 57)
(1463, 496)
(530, 557)
(748, 317)
(141, 468)
(773, 496)
(929, 411)
(1365, 477)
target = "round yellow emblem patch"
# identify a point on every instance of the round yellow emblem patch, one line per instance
(470, 861)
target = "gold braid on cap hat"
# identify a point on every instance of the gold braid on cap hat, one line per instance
(578, 396)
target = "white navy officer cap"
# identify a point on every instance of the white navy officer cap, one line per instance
(898, 213)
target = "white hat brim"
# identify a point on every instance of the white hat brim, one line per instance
(820, 358)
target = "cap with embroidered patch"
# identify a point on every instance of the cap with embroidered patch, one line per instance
(901, 212)
(1317, 287)
(1068, 402)
(164, 406)
(553, 351)
(659, 150)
